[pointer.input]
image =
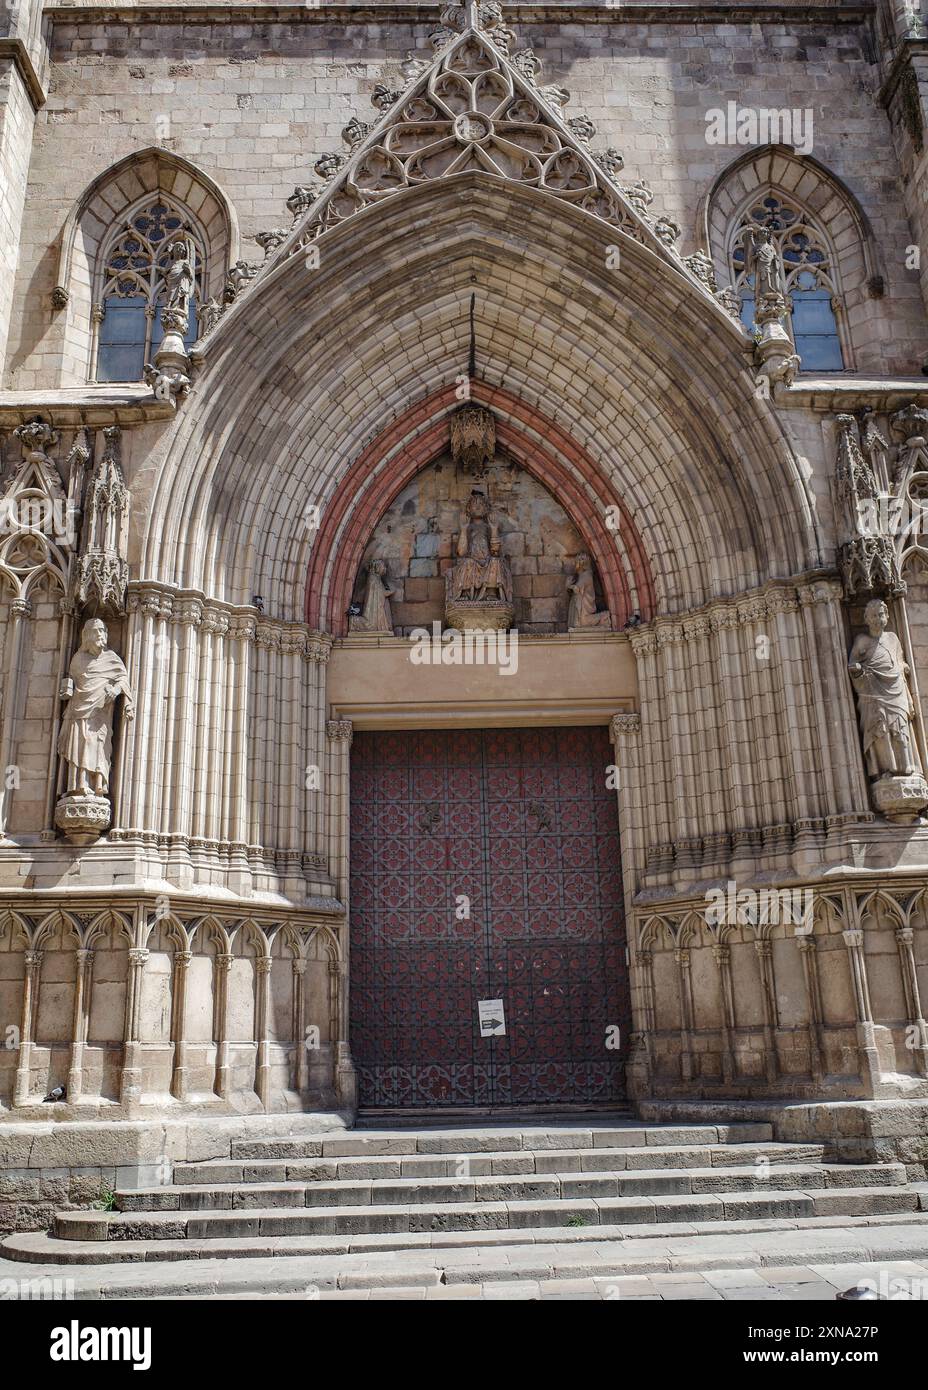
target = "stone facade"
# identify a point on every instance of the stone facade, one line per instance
(381, 219)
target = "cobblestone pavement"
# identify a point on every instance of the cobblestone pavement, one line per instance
(901, 1280)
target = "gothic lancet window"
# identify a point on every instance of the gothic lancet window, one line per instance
(809, 276)
(130, 286)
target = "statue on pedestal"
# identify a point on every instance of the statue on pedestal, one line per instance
(178, 278)
(582, 610)
(879, 674)
(375, 615)
(96, 679)
(479, 587)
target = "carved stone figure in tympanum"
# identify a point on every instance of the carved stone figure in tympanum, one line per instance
(375, 615)
(482, 572)
(96, 679)
(880, 676)
(582, 609)
(479, 587)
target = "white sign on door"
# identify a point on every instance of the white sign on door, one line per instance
(492, 1017)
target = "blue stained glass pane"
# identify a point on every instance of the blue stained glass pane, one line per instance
(815, 331)
(747, 312)
(819, 354)
(122, 340)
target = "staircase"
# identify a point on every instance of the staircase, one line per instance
(614, 1183)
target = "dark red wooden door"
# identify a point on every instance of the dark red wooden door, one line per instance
(485, 865)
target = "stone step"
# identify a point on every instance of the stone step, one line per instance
(500, 1139)
(269, 1170)
(487, 1215)
(553, 1187)
(135, 1269)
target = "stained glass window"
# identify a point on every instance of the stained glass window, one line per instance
(808, 276)
(132, 290)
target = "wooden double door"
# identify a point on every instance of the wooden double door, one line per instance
(485, 866)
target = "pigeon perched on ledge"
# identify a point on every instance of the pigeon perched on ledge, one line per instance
(58, 1093)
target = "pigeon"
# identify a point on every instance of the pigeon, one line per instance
(860, 1291)
(58, 1093)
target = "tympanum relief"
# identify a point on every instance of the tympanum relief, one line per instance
(475, 541)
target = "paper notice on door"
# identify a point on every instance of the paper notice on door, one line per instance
(492, 1018)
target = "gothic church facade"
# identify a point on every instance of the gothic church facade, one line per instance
(461, 489)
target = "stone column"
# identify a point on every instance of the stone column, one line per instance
(223, 964)
(182, 961)
(49, 833)
(641, 1044)
(298, 1016)
(764, 949)
(625, 732)
(130, 1087)
(917, 1025)
(866, 1036)
(20, 610)
(722, 954)
(809, 955)
(339, 732)
(657, 832)
(682, 956)
(82, 986)
(262, 1026)
(33, 969)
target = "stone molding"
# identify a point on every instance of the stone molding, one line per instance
(236, 621)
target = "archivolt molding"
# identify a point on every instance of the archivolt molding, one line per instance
(289, 401)
(193, 609)
(370, 485)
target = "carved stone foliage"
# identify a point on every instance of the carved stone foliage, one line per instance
(103, 570)
(880, 493)
(473, 439)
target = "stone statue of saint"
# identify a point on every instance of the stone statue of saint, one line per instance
(178, 278)
(768, 275)
(879, 674)
(582, 610)
(375, 615)
(482, 572)
(96, 679)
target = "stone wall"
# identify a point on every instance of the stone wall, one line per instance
(211, 1010)
(252, 104)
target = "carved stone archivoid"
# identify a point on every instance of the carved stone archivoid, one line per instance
(479, 587)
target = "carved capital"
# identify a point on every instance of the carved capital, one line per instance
(625, 725)
(339, 729)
